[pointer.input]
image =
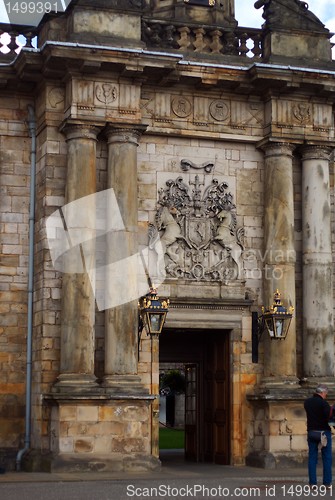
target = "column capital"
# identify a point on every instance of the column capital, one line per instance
(313, 152)
(80, 131)
(277, 148)
(124, 133)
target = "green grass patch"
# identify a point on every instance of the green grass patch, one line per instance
(171, 438)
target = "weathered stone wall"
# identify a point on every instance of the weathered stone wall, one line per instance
(14, 213)
(50, 193)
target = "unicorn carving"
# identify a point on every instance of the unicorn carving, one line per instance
(230, 238)
(163, 243)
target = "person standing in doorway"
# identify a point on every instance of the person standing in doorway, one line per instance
(318, 412)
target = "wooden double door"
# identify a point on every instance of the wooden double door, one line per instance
(205, 356)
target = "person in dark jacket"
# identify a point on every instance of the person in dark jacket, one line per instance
(318, 412)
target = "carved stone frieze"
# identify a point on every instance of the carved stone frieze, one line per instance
(200, 111)
(195, 235)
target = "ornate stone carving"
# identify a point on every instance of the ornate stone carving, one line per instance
(302, 113)
(289, 14)
(219, 110)
(195, 235)
(187, 164)
(106, 93)
(181, 106)
(56, 96)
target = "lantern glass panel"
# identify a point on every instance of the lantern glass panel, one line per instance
(279, 324)
(155, 322)
(270, 327)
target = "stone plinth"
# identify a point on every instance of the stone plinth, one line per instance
(98, 434)
(279, 429)
(283, 45)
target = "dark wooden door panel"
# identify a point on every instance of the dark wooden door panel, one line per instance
(192, 412)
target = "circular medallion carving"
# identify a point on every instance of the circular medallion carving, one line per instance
(181, 107)
(219, 110)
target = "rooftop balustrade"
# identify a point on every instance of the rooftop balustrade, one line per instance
(177, 37)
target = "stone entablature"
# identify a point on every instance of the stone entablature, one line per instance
(222, 114)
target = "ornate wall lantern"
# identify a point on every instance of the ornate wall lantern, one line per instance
(275, 320)
(152, 313)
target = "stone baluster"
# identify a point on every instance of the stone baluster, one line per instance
(78, 298)
(279, 256)
(184, 41)
(199, 42)
(216, 46)
(318, 338)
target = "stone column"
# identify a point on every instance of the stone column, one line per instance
(121, 330)
(318, 338)
(279, 258)
(78, 300)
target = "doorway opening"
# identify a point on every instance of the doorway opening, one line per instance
(201, 357)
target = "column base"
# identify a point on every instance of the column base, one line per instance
(73, 382)
(280, 383)
(124, 384)
(311, 383)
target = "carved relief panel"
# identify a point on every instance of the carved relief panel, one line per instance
(196, 111)
(56, 97)
(195, 235)
(103, 100)
(301, 116)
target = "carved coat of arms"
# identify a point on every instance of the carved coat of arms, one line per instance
(195, 235)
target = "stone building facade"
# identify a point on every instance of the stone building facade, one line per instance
(218, 140)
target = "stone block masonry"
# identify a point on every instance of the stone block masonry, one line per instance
(14, 210)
